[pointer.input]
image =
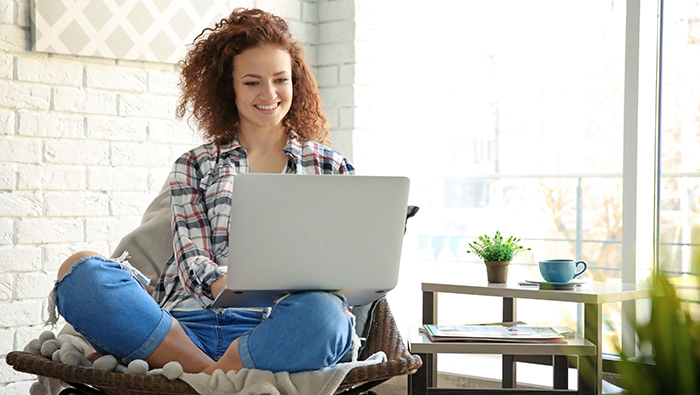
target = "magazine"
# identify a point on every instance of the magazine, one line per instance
(493, 333)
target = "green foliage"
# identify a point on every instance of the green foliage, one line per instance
(496, 249)
(675, 339)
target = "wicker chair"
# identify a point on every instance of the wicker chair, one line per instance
(383, 336)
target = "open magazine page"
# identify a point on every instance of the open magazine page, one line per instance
(499, 332)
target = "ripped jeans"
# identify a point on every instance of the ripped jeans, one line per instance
(105, 303)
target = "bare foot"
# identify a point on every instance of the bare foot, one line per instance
(177, 346)
(230, 361)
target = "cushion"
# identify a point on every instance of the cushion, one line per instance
(150, 245)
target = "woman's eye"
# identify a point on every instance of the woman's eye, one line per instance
(282, 80)
(250, 83)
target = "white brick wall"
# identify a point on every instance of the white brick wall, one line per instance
(125, 79)
(86, 143)
(48, 124)
(38, 69)
(343, 70)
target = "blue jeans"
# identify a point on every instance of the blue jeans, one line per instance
(108, 306)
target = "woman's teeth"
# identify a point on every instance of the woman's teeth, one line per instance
(261, 107)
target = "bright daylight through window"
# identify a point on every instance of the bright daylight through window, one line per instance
(680, 139)
(509, 115)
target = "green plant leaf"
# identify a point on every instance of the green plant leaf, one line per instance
(496, 249)
(674, 337)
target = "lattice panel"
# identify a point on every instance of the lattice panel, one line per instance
(149, 30)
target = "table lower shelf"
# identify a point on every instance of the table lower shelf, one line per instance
(422, 382)
(419, 343)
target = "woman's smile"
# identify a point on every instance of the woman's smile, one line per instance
(267, 109)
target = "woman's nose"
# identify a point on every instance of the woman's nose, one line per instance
(268, 92)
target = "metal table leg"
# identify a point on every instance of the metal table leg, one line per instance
(509, 373)
(418, 382)
(561, 372)
(430, 317)
(590, 368)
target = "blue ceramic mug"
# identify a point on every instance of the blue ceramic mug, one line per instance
(561, 270)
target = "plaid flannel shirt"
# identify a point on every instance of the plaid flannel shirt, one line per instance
(201, 182)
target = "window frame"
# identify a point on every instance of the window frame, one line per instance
(641, 152)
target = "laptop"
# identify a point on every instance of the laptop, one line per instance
(291, 233)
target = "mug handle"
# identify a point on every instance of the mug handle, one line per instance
(585, 266)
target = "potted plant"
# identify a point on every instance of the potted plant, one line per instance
(497, 253)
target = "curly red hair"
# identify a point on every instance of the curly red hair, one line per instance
(207, 77)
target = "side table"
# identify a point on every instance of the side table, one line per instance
(420, 344)
(593, 295)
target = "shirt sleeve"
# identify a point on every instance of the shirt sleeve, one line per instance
(192, 239)
(346, 167)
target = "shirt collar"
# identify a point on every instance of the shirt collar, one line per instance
(231, 146)
(293, 146)
(293, 149)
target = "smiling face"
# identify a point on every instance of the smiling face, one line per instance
(262, 81)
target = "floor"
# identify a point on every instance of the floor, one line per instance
(397, 385)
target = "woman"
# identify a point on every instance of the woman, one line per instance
(249, 89)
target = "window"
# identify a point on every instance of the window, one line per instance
(679, 210)
(506, 115)
(464, 192)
